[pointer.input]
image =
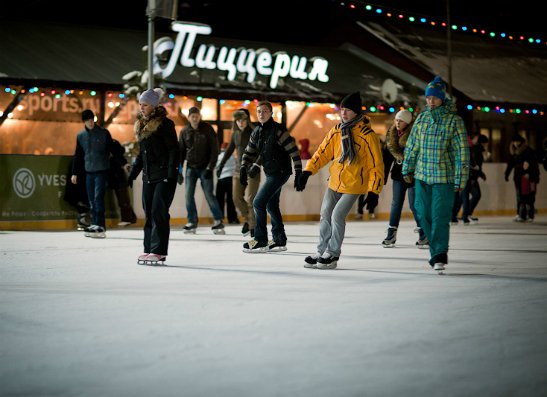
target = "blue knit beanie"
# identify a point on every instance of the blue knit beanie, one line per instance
(436, 88)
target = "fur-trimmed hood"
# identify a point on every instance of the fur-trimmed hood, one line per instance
(146, 126)
(395, 143)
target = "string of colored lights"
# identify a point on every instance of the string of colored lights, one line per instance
(435, 22)
(368, 107)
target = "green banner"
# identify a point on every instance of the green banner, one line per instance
(34, 188)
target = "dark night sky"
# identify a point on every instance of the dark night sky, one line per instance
(281, 20)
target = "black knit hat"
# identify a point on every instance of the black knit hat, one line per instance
(193, 109)
(88, 115)
(353, 102)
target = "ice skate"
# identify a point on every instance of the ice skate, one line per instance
(276, 247)
(155, 259)
(95, 231)
(141, 260)
(254, 246)
(327, 261)
(83, 223)
(311, 261)
(190, 228)
(439, 267)
(391, 237)
(218, 227)
(422, 242)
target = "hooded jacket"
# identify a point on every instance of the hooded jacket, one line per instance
(366, 171)
(158, 156)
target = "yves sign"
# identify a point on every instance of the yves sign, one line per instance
(253, 63)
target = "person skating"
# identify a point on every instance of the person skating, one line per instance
(273, 143)
(93, 150)
(158, 159)
(436, 158)
(353, 151)
(396, 139)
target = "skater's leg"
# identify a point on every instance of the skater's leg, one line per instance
(399, 190)
(164, 193)
(278, 227)
(338, 222)
(207, 186)
(325, 221)
(147, 199)
(440, 220)
(251, 191)
(190, 181)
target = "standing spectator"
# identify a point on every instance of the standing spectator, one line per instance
(223, 190)
(93, 150)
(523, 162)
(471, 194)
(353, 151)
(272, 142)
(199, 147)
(241, 133)
(158, 159)
(118, 182)
(396, 139)
(436, 156)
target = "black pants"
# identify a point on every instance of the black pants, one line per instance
(223, 194)
(156, 200)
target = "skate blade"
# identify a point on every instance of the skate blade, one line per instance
(278, 249)
(423, 247)
(255, 251)
(219, 232)
(189, 232)
(101, 235)
(388, 245)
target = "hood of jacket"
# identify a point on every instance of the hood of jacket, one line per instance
(146, 126)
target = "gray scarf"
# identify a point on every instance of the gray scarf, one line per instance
(348, 149)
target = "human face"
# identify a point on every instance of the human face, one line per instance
(433, 102)
(146, 109)
(400, 124)
(242, 123)
(89, 123)
(194, 119)
(347, 114)
(263, 114)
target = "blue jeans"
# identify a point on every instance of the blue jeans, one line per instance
(191, 179)
(399, 190)
(434, 208)
(96, 187)
(267, 199)
(332, 225)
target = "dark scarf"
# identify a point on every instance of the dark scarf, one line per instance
(348, 148)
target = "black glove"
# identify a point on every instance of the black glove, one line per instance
(254, 171)
(180, 178)
(371, 201)
(219, 171)
(302, 180)
(243, 176)
(207, 174)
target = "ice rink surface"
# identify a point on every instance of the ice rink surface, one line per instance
(79, 317)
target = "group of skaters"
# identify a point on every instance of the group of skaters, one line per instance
(428, 157)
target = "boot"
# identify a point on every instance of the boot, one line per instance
(391, 237)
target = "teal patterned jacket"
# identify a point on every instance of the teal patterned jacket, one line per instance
(437, 150)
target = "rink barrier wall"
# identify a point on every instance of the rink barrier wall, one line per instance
(45, 209)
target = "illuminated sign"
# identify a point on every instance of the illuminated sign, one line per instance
(234, 60)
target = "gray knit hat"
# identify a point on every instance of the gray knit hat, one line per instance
(150, 97)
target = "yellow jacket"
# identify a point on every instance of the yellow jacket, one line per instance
(364, 174)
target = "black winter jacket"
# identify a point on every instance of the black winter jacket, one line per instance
(159, 155)
(199, 147)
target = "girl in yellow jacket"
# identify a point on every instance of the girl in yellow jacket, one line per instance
(356, 168)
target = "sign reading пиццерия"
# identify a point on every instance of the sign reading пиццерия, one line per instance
(234, 60)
